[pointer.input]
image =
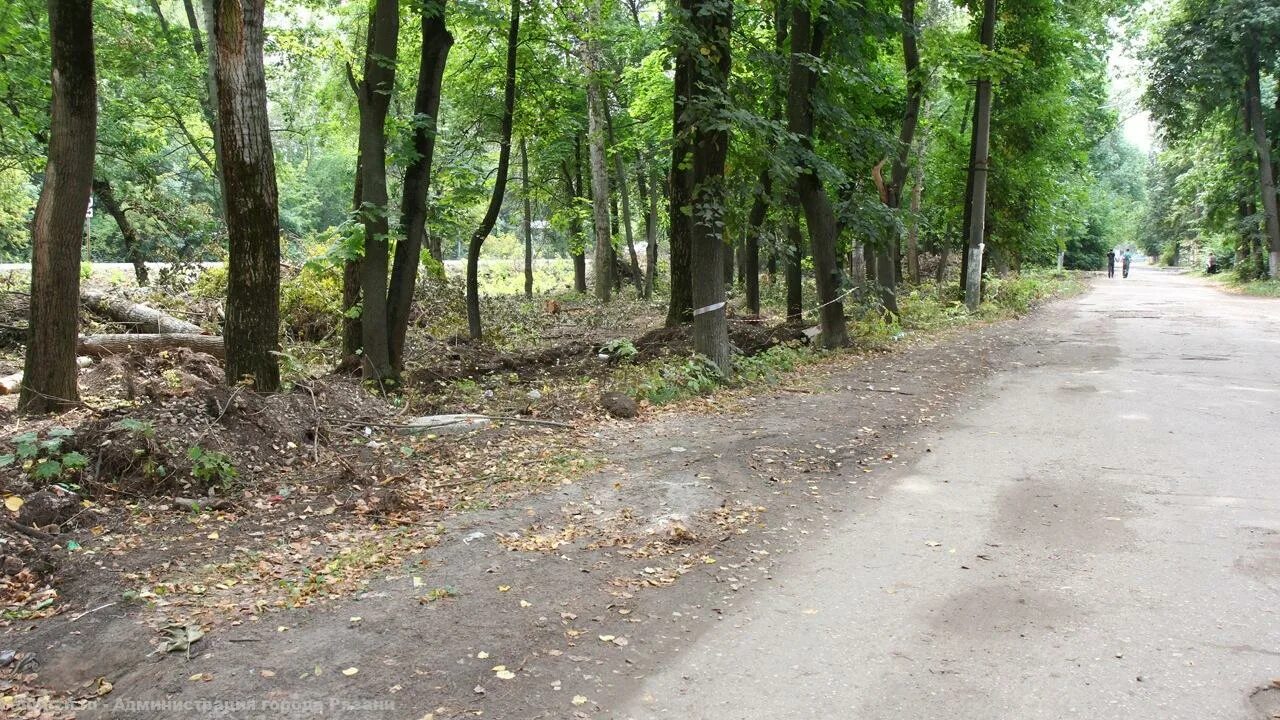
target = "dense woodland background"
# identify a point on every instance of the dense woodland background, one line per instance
(604, 146)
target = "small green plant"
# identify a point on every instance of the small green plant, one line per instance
(86, 270)
(211, 467)
(44, 458)
(666, 382)
(440, 593)
(620, 349)
(141, 428)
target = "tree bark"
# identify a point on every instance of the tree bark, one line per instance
(887, 269)
(248, 173)
(603, 260)
(806, 40)
(576, 242)
(712, 24)
(132, 244)
(649, 200)
(352, 331)
(373, 94)
(680, 192)
(1253, 95)
(528, 218)
(913, 222)
(751, 249)
(436, 42)
(500, 181)
(636, 277)
(795, 281)
(978, 170)
(49, 368)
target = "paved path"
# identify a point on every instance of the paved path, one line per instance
(1097, 537)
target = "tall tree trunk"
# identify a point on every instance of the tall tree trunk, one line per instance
(248, 173)
(649, 200)
(374, 93)
(887, 270)
(712, 23)
(1253, 95)
(680, 191)
(978, 170)
(794, 258)
(913, 222)
(576, 241)
(500, 181)
(751, 247)
(49, 369)
(527, 224)
(603, 262)
(636, 277)
(352, 331)
(806, 45)
(969, 123)
(436, 41)
(132, 243)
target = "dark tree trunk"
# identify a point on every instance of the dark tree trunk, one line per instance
(728, 259)
(436, 41)
(795, 256)
(636, 277)
(132, 243)
(500, 181)
(576, 241)
(248, 173)
(528, 218)
(751, 248)
(374, 93)
(806, 44)
(49, 369)
(913, 222)
(579, 249)
(603, 257)
(680, 309)
(970, 114)
(712, 23)
(352, 331)
(648, 199)
(1253, 96)
(978, 170)
(888, 267)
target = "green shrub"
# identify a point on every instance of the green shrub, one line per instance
(211, 284)
(311, 302)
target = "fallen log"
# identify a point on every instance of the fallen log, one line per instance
(139, 318)
(104, 345)
(10, 384)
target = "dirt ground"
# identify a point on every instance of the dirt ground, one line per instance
(591, 553)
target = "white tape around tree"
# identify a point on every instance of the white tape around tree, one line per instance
(709, 308)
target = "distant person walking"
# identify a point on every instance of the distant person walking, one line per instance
(1111, 263)
(1128, 257)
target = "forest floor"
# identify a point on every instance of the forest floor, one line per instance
(523, 570)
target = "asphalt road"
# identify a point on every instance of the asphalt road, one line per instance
(1097, 536)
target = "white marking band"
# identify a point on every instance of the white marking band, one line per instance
(709, 308)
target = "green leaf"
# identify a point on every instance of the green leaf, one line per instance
(59, 432)
(74, 461)
(47, 469)
(7, 459)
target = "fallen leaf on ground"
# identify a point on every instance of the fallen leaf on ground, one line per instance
(579, 700)
(350, 671)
